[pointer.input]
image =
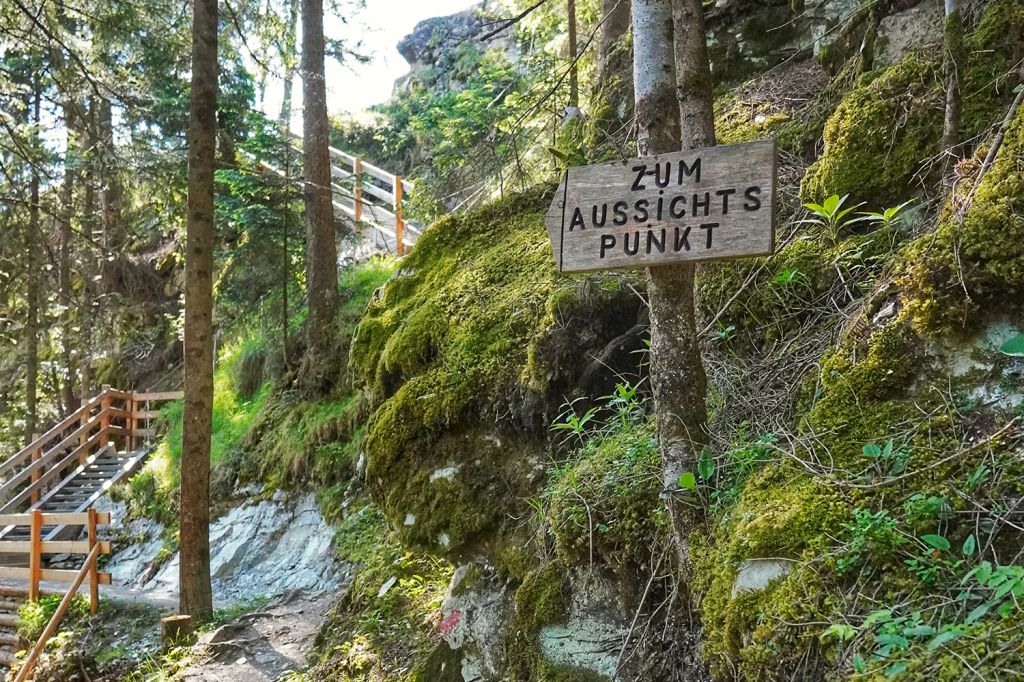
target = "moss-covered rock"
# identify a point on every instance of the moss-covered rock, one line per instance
(967, 269)
(880, 135)
(467, 354)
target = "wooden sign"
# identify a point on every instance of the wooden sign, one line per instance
(697, 205)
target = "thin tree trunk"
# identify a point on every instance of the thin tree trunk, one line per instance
(288, 60)
(196, 597)
(663, 101)
(321, 250)
(32, 294)
(953, 33)
(615, 17)
(110, 194)
(574, 81)
(64, 263)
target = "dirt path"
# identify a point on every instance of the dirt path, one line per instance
(262, 645)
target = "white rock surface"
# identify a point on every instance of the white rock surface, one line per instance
(257, 549)
(756, 574)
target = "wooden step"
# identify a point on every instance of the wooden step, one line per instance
(8, 620)
(8, 658)
(11, 638)
(19, 593)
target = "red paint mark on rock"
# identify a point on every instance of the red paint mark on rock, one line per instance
(450, 622)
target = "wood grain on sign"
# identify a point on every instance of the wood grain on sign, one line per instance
(703, 204)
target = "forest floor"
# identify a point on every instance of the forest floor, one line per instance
(260, 645)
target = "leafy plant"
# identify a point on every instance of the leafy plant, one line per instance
(891, 460)
(1013, 347)
(830, 215)
(889, 217)
(572, 422)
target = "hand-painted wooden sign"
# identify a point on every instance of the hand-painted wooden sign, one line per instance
(703, 204)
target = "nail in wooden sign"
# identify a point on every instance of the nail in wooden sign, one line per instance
(697, 205)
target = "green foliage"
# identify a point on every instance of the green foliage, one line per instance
(830, 215)
(33, 616)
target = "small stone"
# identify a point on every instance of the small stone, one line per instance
(410, 519)
(388, 584)
(756, 574)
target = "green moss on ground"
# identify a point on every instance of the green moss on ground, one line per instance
(542, 599)
(882, 132)
(604, 503)
(961, 272)
(378, 633)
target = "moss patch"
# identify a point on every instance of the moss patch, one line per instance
(466, 355)
(881, 133)
(959, 273)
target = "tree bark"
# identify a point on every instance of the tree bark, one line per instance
(288, 61)
(321, 250)
(615, 18)
(68, 368)
(954, 57)
(32, 285)
(574, 80)
(672, 90)
(196, 598)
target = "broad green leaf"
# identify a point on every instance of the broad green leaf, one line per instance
(893, 640)
(944, 638)
(919, 631)
(1014, 347)
(969, 545)
(896, 669)
(872, 450)
(841, 631)
(832, 203)
(706, 465)
(859, 665)
(937, 541)
(687, 481)
(876, 617)
(978, 613)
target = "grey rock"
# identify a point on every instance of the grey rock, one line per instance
(757, 574)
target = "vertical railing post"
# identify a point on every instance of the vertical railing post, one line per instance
(129, 422)
(357, 188)
(84, 437)
(94, 576)
(399, 223)
(105, 416)
(37, 452)
(35, 557)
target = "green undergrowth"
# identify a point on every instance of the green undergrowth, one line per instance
(264, 431)
(465, 355)
(879, 509)
(107, 645)
(386, 623)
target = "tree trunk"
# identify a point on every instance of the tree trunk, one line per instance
(69, 403)
(196, 597)
(954, 57)
(574, 80)
(33, 262)
(321, 250)
(663, 101)
(288, 61)
(614, 24)
(110, 194)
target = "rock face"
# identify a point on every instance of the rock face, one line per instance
(262, 548)
(756, 574)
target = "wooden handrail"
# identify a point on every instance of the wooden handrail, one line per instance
(25, 452)
(65, 603)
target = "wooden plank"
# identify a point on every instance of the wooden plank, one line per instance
(382, 194)
(145, 433)
(399, 223)
(53, 547)
(157, 396)
(379, 173)
(94, 578)
(35, 556)
(74, 519)
(146, 414)
(698, 205)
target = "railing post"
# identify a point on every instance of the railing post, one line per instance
(84, 438)
(35, 557)
(357, 188)
(105, 416)
(399, 223)
(37, 452)
(129, 422)
(94, 576)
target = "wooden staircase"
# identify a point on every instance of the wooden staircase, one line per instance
(11, 599)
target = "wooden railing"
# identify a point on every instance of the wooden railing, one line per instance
(36, 548)
(43, 466)
(371, 196)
